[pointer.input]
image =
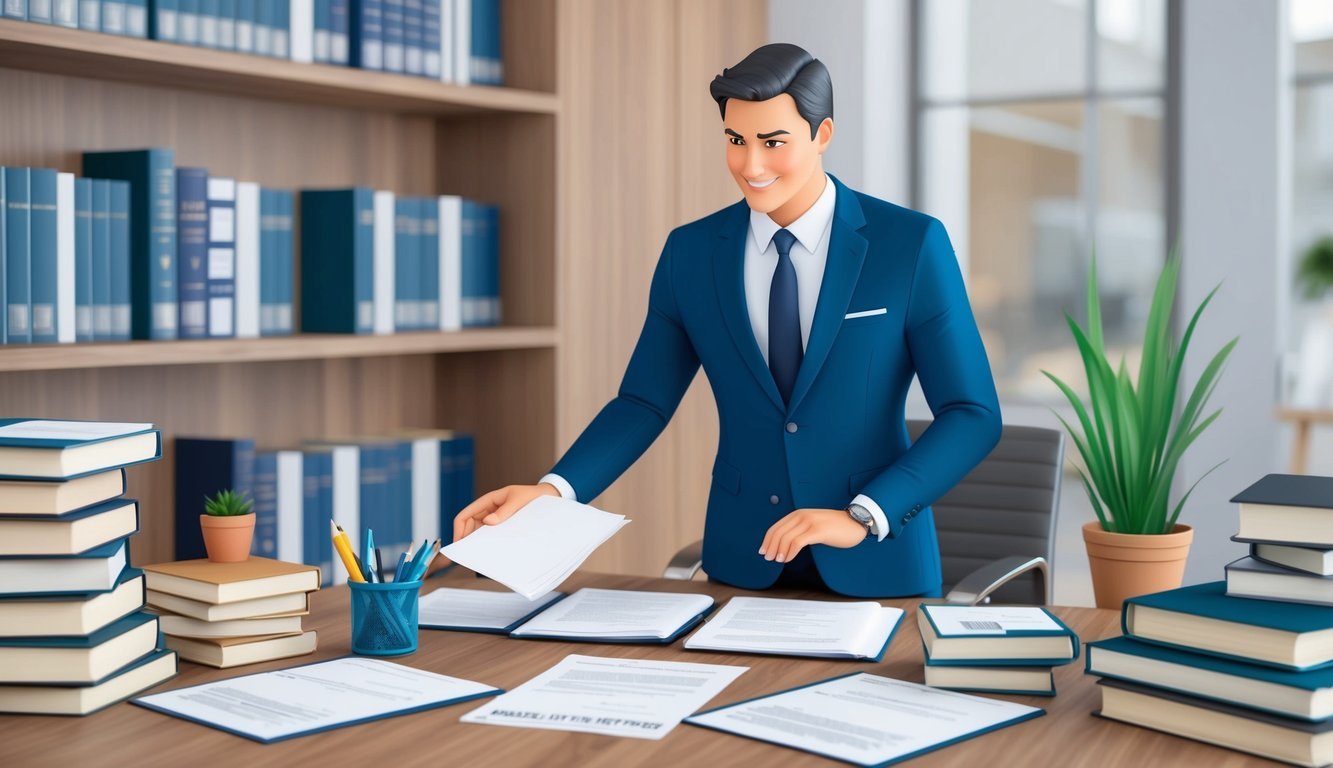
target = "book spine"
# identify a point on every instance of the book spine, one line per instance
(448, 505)
(247, 260)
(90, 15)
(384, 270)
(492, 261)
(285, 267)
(451, 262)
(447, 40)
(366, 31)
(339, 39)
(471, 253)
(208, 23)
(425, 483)
(320, 42)
(192, 256)
(245, 25)
(464, 471)
(414, 35)
(479, 70)
(403, 276)
(15, 9)
(187, 22)
(429, 249)
(326, 513)
(301, 31)
(119, 230)
(430, 40)
(221, 257)
(265, 13)
(204, 467)
(101, 260)
(227, 25)
(403, 479)
(462, 41)
(4, 263)
(18, 256)
(268, 258)
(65, 13)
(83, 260)
(282, 24)
(44, 231)
(311, 524)
(136, 18)
(393, 35)
(291, 520)
(66, 268)
(163, 21)
(39, 11)
(265, 541)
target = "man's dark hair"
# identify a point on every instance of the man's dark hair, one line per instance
(775, 69)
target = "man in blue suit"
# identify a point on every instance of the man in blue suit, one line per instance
(810, 307)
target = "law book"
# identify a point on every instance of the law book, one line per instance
(192, 253)
(301, 31)
(316, 511)
(35, 498)
(71, 614)
(486, 65)
(205, 466)
(430, 39)
(113, 17)
(187, 16)
(45, 449)
(447, 41)
(90, 15)
(385, 259)
(184, 626)
(70, 534)
(15, 9)
(1287, 509)
(407, 265)
(473, 278)
(264, 491)
(784, 627)
(1202, 618)
(1212, 722)
(462, 41)
(414, 35)
(290, 497)
(491, 245)
(153, 669)
(1301, 695)
(247, 260)
(269, 268)
(1022, 681)
(221, 257)
(136, 18)
(97, 570)
(208, 23)
(618, 616)
(83, 260)
(1248, 577)
(462, 448)
(223, 583)
(322, 22)
(451, 262)
(428, 213)
(65, 13)
(393, 20)
(227, 652)
(39, 11)
(1000, 635)
(43, 231)
(1313, 560)
(101, 260)
(339, 39)
(118, 229)
(245, 25)
(227, 25)
(284, 311)
(338, 261)
(265, 13)
(18, 256)
(366, 33)
(66, 271)
(163, 21)
(282, 24)
(81, 660)
(294, 603)
(152, 177)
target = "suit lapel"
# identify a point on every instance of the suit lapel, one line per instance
(846, 253)
(729, 278)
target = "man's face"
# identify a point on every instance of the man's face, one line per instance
(769, 150)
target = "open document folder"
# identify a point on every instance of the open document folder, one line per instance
(539, 547)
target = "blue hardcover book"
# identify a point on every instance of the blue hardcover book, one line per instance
(136, 677)
(44, 447)
(406, 270)
(1202, 618)
(281, 24)
(81, 660)
(90, 15)
(265, 541)
(227, 25)
(15, 9)
(339, 37)
(221, 257)
(491, 262)
(152, 177)
(113, 17)
(487, 62)
(101, 259)
(42, 238)
(39, 11)
(1005, 636)
(192, 251)
(458, 453)
(71, 614)
(366, 30)
(83, 260)
(268, 260)
(97, 571)
(18, 256)
(429, 248)
(393, 35)
(1302, 695)
(319, 49)
(245, 25)
(136, 18)
(69, 534)
(65, 13)
(337, 261)
(208, 23)
(317, 511)
(163, 22)
(472, 299)
(4, 267)
(205, 466)
(266, 15)
(187, 22)
(285, 266)
(430, 39)
(118, 216)
(414, 37)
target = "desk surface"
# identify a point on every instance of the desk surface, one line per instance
(126, 735)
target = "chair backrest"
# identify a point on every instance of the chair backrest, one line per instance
(1005, 506)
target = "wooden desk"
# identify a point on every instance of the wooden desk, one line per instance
(126, 735)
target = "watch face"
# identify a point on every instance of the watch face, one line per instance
(860, 515)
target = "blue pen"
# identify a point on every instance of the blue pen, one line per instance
(368, 556)
(416, 559)
(398, 571)
(420, 571)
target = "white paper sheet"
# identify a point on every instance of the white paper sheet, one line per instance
(986, 620)
(864, 719)
(476, 608)
(39, 429)
(539, 547)
(291, 702)
(617, 613)
(614, 697)
(798, 627)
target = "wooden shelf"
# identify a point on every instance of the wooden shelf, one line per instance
(51, 357)
(57, 50)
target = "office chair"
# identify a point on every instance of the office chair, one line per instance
(995, 528)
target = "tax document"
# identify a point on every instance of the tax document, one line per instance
(477, 609)
(614, 697)
(827, 629)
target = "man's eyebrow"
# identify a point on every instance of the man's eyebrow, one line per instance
(771, 135)
(730, 132)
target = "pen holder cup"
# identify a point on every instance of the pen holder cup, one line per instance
(384, 618)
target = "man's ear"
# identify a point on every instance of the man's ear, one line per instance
(824, 135)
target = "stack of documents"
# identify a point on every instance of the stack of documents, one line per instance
(823, 629)
(619, 616)
(539, 547)
(997, 649)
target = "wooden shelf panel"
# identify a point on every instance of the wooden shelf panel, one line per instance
(300, 347)
(62, 51)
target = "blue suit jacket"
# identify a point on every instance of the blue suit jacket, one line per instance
(843, 432)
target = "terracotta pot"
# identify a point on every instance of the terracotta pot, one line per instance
(1130, 564)
(227, 539)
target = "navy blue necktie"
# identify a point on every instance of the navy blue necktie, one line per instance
(784, 319)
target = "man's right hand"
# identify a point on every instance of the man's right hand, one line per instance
(498, 506)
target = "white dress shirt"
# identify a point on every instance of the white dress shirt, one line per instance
(809, 255)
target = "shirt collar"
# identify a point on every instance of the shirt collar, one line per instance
(808, 229)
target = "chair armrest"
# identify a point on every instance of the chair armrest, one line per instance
(976, 587)
(685, 563)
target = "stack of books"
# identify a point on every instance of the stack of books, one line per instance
(72, 636)
(994, 649)
(228, 614)
(1245, 663)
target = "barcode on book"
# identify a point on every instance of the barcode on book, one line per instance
(981, 626)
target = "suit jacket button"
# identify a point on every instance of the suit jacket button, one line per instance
(906, 518)
(773, 499)
(791, 427)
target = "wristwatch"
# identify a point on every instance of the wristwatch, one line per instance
(862, 515)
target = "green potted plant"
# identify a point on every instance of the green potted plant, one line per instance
(228, 525)
(1131, 438)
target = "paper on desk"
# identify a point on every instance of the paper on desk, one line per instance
(614, 697)
(476, 609)
(539, 547)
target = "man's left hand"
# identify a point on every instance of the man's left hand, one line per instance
(804, 527)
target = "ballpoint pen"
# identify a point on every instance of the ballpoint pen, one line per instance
(368, 555)
(416, 559)
(398, 571)
(344, 549)
(425, 562)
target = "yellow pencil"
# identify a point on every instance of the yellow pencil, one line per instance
(344, 548)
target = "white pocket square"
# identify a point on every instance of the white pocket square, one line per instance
(866, 313)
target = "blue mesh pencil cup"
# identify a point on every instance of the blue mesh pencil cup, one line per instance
(384, 617)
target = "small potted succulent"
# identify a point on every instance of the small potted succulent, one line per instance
(228, 525)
